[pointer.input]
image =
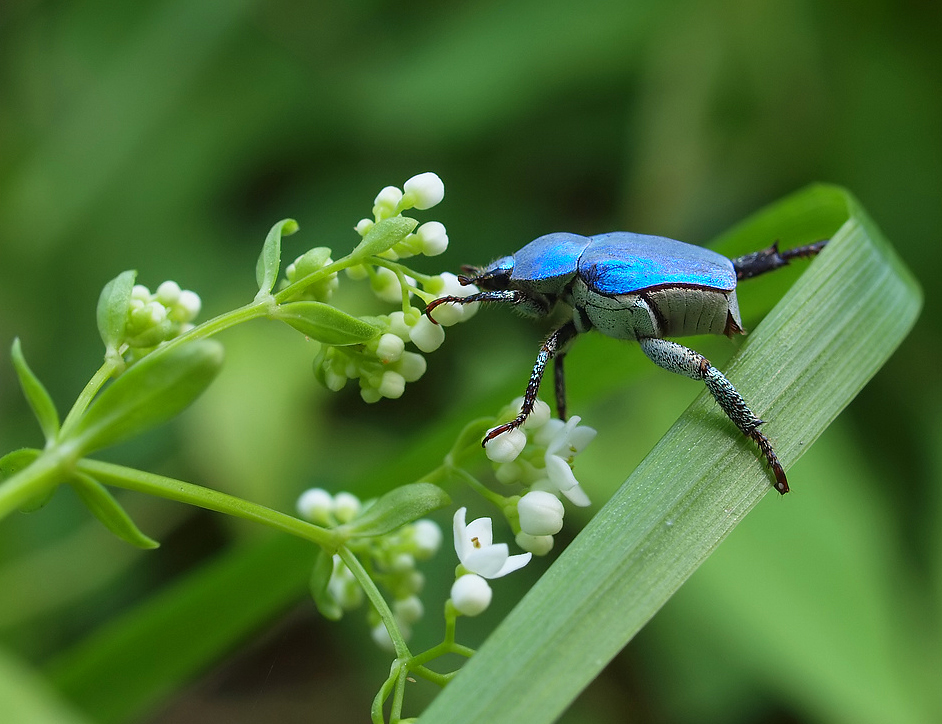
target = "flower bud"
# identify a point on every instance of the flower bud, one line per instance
(411, 366)
(541, 513)
(506, 447)
(427, 537)
(390, 348)
(346, 506)
(168, 293)
(426, 335)
(538, 545)
(392, 385)
(386, 203)
(432, 238)
(471, 594)
(408, 610)
(316, 505)
(424, 190)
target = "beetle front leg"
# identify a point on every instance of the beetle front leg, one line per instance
(677, 358)
(512, 296)
(554, 344)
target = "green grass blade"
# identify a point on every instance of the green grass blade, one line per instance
(817, 348)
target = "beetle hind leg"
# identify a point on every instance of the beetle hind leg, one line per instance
(760, 262)
(677, 358)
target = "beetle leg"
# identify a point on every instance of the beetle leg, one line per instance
(512, 296)
(560, 379)
(555, 343)
(760, 262)
(677, 358)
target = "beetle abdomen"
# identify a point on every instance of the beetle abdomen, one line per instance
(681, 311)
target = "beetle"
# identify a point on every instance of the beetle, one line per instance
(633, 287)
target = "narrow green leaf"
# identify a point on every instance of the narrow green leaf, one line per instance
(113, 305)
(27, 698)
(269, 260)
(325, 323)
(320, 577)
(384, 235)
(37, 396)
(103, 506)
(397, 507)
(807, 360)
(151, 392)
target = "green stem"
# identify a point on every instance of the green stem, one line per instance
(86, 396)
(171, 489)
(34, 481)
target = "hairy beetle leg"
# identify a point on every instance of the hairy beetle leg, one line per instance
(554, 345)
(677, 358)
(500, 296)
(760, 262)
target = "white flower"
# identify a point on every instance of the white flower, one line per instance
(346, 506)
(449, 314)
(538, 545)
(563, 441)
(427, 537)
(392, 385)
(168, 293)
(424, 190)
(426, 335)
(541, 513)
(390, 348)
(386, 202)
(507, 446)
(471, 594)
(432, 238)
(316, 505)
(539, 415)
(474, 544)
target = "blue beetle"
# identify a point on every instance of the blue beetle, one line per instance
(634, 287)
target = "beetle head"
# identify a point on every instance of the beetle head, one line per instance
(493, 277)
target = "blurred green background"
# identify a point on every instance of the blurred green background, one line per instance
(169, 136)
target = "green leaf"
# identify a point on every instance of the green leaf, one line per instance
(384, 235)
(808, 359)
(154, 390)
(103, 506)
(397, 507)
(320, 577)
(324, 323)
(37, 396)
(27, 697)
(269, 260)
(112, 313)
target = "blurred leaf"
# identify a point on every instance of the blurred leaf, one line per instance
(26, 698)
(151, 392)
(269, 261)
(173, 636)
(320, 577)
(384, 235)
(325, 323)
(103, 506)
(37, 396)
(112, 312)
(807, 360)
(396, 508)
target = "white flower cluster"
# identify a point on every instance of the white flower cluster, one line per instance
(539, 456)
(481, 559)
(383, 366)
(392, 559)
(164, 314)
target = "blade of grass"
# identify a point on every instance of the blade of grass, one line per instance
(817, 348)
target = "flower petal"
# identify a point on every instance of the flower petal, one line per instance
(482, 529)
(559, 472)
(512, 564)
(577, 496)
(487, 561)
